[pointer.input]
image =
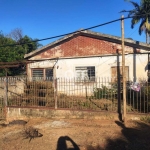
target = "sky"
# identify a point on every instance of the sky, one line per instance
(47, 18)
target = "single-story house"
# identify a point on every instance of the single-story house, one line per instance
(86, 55)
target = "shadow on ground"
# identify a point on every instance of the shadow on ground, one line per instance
(62, 143)
(137, 138)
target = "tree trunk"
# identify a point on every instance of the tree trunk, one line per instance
(147, 37)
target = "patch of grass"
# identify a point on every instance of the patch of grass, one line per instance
(145, 119)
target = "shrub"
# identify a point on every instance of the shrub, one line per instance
(145, 119)
(105, 92)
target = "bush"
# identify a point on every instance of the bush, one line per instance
(145, 119)
(105, 92)
(100, 92)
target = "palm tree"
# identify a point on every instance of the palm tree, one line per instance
(140, 13)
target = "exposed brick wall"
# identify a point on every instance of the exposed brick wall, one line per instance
(82, 46)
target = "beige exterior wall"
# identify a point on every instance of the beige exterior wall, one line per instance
(65, 69)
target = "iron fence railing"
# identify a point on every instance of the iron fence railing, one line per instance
(2, 115)
(100, 94)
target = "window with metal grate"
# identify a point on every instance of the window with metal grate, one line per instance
(42, 74)
(85, 73)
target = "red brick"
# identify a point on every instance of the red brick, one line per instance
(81, 46)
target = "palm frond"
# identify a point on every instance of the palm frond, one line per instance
(140, 12)
(147, 24)
(132, 13)
(134, 21)
(142, 27)
(136, 5)
(124, 11)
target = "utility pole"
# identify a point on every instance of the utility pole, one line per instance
(5, 94)
(123, 71)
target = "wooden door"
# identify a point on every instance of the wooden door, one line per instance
(116, 73)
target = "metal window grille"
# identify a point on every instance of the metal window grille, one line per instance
(40, 74)
(85, 73)
(49, 74)
(149, 66)
(37, 74)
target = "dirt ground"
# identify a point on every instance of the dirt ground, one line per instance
(75, 134)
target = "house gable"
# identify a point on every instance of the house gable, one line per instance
(85, 44)
(81, 46)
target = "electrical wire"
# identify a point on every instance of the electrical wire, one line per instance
(72, 32)
(66, 33)
(131, 33)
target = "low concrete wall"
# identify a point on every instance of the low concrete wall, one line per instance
(15, 87)
(27, 113)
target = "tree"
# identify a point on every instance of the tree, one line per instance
(16, 34)
(140, 13)
(15, 53)
(25, 41)
(28, 45)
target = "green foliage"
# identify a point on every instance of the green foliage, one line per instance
(27, 45)
(16, 52)
(145, 119)
(146, 90)
(105, 92)
(100, 92)
(140, 13)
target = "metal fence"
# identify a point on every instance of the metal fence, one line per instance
(2, 114)
(101, 94)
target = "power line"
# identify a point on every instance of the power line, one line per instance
(62, 34)
(70, 32)
(129, 34)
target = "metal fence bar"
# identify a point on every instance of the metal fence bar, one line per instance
(147, 101)
(140, 102)
(100, 95)
(144, 99)
(2, 115)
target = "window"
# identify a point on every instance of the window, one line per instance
(42, 74)
(37, 73)
(148, 57)
(149, 66)
(85, 73)
(49, 73)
